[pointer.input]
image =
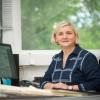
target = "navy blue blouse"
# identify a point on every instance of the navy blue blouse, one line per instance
(81, 69)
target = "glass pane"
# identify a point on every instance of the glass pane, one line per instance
(38, 17)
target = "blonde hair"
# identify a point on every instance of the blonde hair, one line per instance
(61, 24)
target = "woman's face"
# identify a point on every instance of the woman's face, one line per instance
(65, 37)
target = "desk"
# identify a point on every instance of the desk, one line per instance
(32, 93)
(91, 97)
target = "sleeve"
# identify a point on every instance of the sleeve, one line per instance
(91, 70)
(48, 75)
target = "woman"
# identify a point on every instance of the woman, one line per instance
(73, 68)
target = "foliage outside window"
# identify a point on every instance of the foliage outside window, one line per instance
(38, 17)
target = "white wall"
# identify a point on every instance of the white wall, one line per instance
(13, 36)
(29, 72)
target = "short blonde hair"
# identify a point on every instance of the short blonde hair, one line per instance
(61, 24)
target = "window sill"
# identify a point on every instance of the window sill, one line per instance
(36, 57)
(42, 57)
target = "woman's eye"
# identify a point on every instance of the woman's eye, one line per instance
(68, 32)
(60, 33)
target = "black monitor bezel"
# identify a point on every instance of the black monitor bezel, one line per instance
(17, 74)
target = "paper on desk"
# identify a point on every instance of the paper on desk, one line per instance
(32, 91)
(24, 91)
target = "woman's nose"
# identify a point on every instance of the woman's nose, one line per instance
(64, 35)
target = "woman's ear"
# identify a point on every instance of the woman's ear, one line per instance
(55, 38)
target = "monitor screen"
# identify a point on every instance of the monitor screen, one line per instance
(8, 68)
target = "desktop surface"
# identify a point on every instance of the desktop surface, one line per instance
(14, 97)
(32, 93)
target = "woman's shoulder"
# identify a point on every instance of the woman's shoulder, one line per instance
(89, 54)
(57, 56)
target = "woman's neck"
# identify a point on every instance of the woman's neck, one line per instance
(68, 50)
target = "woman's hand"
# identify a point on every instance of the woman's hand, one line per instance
(65, 86)
(48, 86)
(60, 86)
(73, 87)
(55, 86)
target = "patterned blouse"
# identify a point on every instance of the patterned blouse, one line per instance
(81, 69)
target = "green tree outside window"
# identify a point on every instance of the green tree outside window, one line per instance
(38, 16)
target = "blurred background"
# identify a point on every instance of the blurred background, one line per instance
(38, 17)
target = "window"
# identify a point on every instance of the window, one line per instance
(5, 16)
(38, 16)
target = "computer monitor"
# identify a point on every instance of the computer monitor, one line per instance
(8, 69)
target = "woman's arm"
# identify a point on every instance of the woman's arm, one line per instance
(48, 75)
(91, 70)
